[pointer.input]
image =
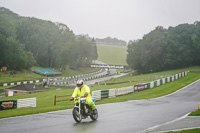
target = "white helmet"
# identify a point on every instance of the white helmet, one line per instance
(79, 83)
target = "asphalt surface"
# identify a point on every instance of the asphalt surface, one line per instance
(182, 123)
(90, 82)
(111, 73)
(152, 115)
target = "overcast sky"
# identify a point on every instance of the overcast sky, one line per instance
(123, 19)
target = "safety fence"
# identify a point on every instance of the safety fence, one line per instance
(55, 81)
(102, 94)
(65, 81)
(20, 103)
(22, 82)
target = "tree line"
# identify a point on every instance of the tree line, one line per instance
(111, 41)
(26, 42)
(163, 49)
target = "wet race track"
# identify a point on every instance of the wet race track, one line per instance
(131, 117)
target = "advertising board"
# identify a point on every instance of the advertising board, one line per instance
(8, 104)
(124, 90)
(141, 87)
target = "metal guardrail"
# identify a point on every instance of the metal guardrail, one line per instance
(61, 79)
(102, 94)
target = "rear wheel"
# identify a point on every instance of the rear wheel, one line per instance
(76, 115)
(94, 115)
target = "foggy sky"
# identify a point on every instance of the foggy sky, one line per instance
(123, 19)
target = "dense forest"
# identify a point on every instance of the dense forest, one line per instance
(110, 41)
(26, 42)
(163, 49)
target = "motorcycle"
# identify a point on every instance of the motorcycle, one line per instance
(82, 110)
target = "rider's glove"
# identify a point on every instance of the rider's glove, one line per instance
(86, 94)
(71, 99)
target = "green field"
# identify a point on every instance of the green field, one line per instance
(45, 100)
(112, 55)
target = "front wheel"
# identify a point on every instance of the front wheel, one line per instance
(94, 115)
(76, 115)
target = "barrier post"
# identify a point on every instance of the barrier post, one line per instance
(55, 100)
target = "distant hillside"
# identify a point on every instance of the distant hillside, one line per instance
(112, 55)
(110, 41)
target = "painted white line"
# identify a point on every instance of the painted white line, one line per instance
(154, 127)
(177, 90)
(157, 126)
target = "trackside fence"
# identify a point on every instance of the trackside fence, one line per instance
(110, 93)
(102, 94)
(19, 103)
(61, 98)
(60, 81)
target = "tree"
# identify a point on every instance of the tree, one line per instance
(162, 49)
(180, 52)
(196, 41)
(146, 55)
(13, 54)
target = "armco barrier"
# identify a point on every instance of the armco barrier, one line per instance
(96, 95)
(158, 82)
(112, 93)
(104, 94)
(100, 94)
(53, 83)
(20, 83)
(168, 79)
(179, 75)
(163, 80)
(151, 84)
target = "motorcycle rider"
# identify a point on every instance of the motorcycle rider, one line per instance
(83, 90)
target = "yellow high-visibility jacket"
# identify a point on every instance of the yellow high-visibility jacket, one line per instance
(82, 92)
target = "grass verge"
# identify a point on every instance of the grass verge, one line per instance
(195, 113)
(197, 130)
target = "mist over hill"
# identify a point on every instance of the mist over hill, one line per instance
(111, 41)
